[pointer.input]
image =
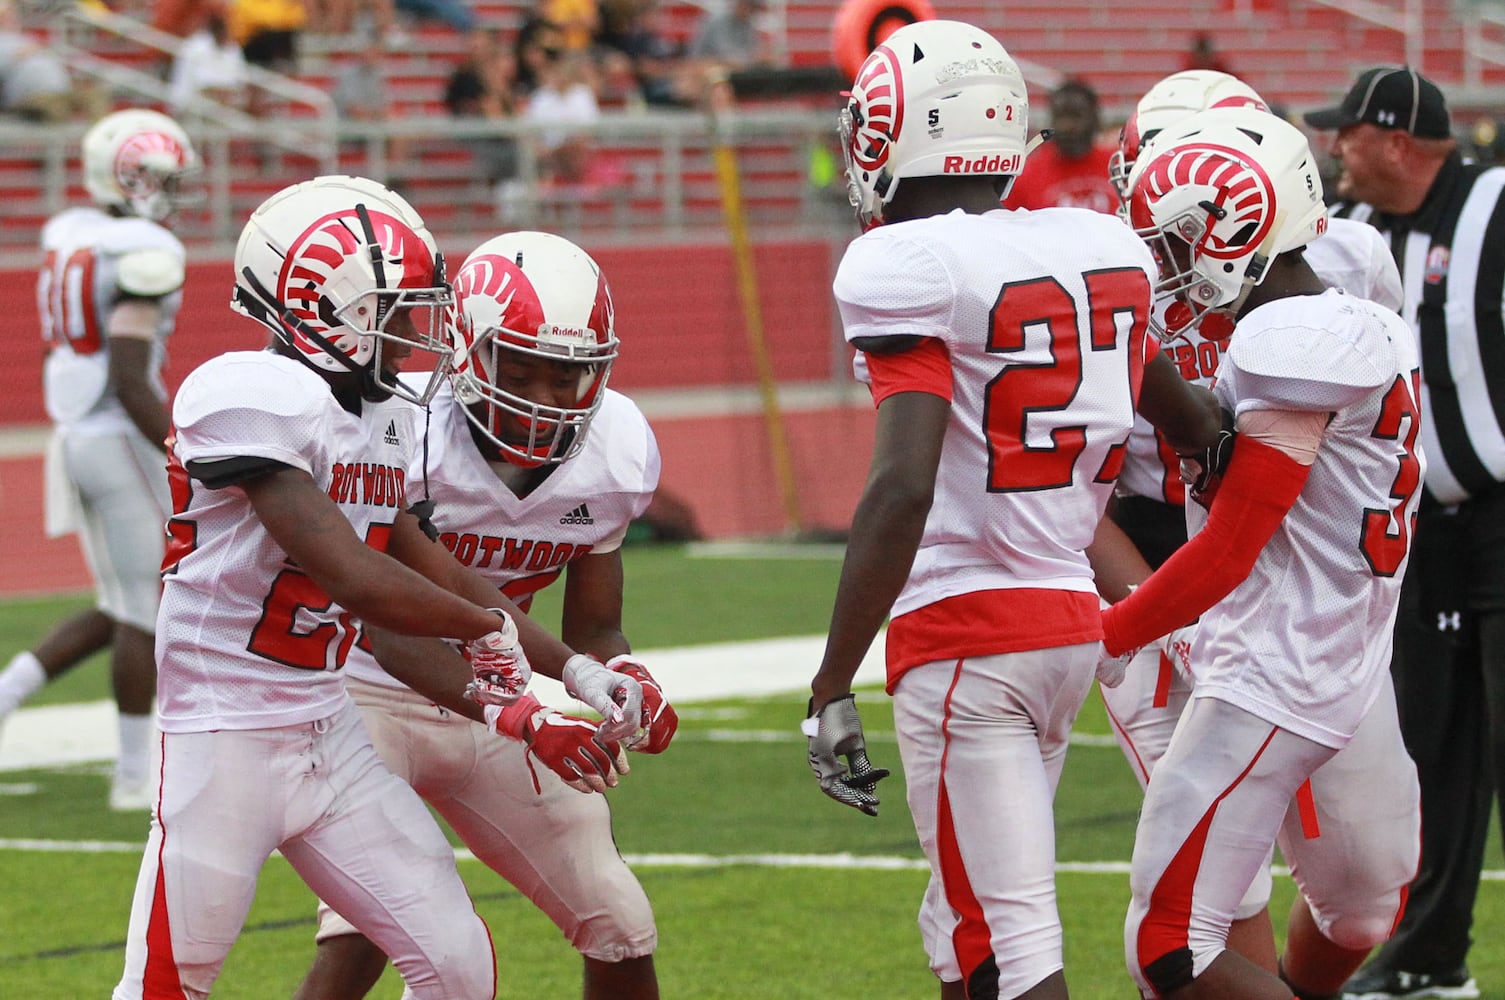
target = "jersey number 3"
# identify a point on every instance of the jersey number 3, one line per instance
(1383, 548)
(1114, 296)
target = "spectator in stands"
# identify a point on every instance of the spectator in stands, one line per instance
(579, 21)
(566, 96)
(35, 84)
(179, 17)
(268, 31)
(455, 13)
(1072, 168)
(539, 42)
(1486, 143)
(208, 63)
(360, 87)
(1203, 55)
(732, 39)
(484, 85)
(656, 63)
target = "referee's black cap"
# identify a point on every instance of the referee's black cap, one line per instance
(1390, 97)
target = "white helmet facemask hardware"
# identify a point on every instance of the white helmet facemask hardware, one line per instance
(522, 300)
(343, 271)
(1216, 198)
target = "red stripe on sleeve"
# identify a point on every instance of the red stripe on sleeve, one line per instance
(923, 368)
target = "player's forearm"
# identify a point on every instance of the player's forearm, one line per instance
(887, 528)
(147, 412)
(1116, 562)
(1260, 487)
(1186, 414)
(431, 667)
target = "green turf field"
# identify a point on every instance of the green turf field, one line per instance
(743, 913)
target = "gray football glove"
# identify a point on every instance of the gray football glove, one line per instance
(837, 731)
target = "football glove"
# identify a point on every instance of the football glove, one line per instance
(1111, 669)
(501, 670)
(659, 721)
(1203, 473)
(568, 746)
(837, 730)
(616, 697)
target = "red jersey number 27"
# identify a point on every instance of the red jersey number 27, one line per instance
(1022, 390)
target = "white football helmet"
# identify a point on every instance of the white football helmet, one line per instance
(344, 271)
(1169, 101)
(539, 295)
(137, 160)
(1216, 197)
(936, 98)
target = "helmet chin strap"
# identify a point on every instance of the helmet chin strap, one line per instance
(264, 306)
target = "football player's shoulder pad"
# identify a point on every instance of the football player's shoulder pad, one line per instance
(1314, 352)
(897, 280)
(251, 380)
(151, 272)
(621, 443)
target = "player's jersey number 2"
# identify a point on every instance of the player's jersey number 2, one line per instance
(1116, 297)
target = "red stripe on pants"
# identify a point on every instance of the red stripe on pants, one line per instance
(1166, 925)
(972, 939)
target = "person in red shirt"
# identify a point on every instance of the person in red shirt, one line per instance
(1070, 170)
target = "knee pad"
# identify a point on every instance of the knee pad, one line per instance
(982, 984)
(1169, 972)
(1357, 931)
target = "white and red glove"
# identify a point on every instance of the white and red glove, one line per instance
(617, 698)
(501, 670)
(570, 747)
(659, 721)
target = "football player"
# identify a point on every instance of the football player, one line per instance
(1149, 501)
(109, 289)
(535, 469)
(1295, 573)
(292, 542)
(1006, 352)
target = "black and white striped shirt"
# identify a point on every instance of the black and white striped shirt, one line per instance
(1451, 255)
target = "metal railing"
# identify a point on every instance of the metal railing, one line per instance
(655, 181)
(307, 112)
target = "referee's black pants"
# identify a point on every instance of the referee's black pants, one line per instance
(1449, 671)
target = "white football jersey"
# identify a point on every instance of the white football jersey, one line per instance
(245, 640)
(522, 544)
(86, 268)
(1304, 642)
(1350, 255)
(1044, 315)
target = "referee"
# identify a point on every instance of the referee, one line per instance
(1445, 222)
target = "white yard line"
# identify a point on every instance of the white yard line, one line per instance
(57, 735)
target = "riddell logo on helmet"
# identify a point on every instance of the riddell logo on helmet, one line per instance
(996, 164)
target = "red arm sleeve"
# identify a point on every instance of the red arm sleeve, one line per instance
(1260, 486)
(925, 367)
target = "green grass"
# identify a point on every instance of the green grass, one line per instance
(737, 931)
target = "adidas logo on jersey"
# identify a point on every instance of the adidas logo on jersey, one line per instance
(391, 436)
(580, 515)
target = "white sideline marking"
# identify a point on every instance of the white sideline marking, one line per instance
(841, 861)
(57, 735)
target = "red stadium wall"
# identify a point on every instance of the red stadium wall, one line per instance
(682, 329)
